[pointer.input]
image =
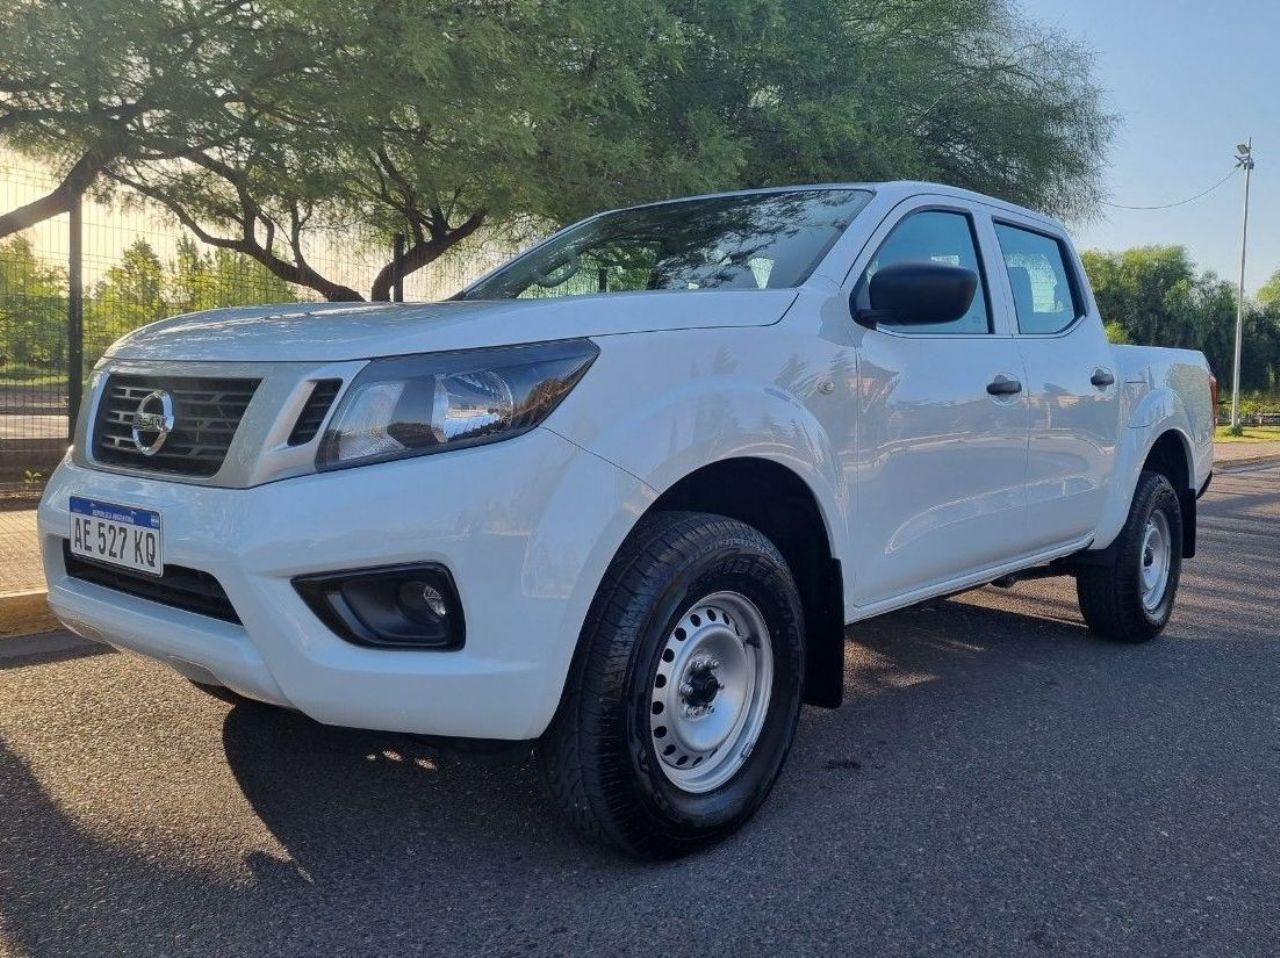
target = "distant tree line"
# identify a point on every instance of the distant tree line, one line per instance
(259, 124)
(1156, 296)
(138, 290)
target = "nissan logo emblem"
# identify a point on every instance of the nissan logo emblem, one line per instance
(152, 422)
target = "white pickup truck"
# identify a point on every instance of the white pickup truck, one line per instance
(622, 496)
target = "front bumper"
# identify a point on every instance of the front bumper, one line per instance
(526, 527)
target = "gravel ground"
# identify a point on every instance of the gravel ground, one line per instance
(997, 783)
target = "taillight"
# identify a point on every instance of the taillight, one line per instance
(1213, 396)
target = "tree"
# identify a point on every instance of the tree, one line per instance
(457, 119)
(1116, 334)
(1146, 290)
(89, 86)
(1270, 292)
(141, 289)
(33, 309)
(130, 294)
(1155, 296)
(960, 91)
(439, 119)
(201, 279)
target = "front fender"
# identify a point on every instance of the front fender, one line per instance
(701, 402)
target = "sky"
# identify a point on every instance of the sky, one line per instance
(1188, 80)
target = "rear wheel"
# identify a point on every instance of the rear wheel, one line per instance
(684, 696)
(1130, 598)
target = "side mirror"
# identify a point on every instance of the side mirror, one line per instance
(918, 293)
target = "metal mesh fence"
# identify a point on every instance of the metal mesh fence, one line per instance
(33, 340)
(139, 265)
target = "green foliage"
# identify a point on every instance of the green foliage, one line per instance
(1117, 334)
(265, 125)
(1255, 403)
(960, 91)
(90, 85)
(131, 294)
(202, 279)
(33, 308)
(138, 290)
(1155, 296)
(1270, 293)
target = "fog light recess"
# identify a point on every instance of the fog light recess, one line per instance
(402, 607)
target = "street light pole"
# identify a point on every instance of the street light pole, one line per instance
(1245, 159)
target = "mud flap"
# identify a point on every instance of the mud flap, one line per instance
(824, 638)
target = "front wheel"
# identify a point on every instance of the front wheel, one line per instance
(1130, 598)
(685, 694)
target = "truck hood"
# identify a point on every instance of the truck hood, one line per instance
(334, 332)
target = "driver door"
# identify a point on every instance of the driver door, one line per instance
(941, 443)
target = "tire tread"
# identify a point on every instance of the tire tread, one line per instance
(593, 790)
(1110, 595)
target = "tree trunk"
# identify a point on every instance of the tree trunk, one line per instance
(299, 273)
(420, 254)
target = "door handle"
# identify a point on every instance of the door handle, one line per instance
(1102, 378)
(1004, 386)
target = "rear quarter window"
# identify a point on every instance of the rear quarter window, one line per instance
(1046, 293)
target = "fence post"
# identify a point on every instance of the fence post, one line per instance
(75, 319)
(397, 294)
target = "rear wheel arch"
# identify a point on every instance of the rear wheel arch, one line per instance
(779, 503)
(1170, 456)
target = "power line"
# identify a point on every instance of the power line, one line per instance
(1190, 199)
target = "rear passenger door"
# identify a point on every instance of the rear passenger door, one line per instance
(942, 421)
(1071, 380)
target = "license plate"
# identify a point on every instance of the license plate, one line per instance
(116, 535)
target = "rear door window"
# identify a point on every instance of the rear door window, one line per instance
(1045, 294)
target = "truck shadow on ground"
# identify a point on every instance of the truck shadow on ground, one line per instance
(337, 784)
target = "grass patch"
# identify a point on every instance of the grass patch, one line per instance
(49, 379)
(1248, 434)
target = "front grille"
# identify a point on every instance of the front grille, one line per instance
(180, 588)
(206, 414)
(313, 413)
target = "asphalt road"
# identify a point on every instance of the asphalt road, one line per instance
(997, 783)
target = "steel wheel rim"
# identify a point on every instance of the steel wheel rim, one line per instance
(709, 695)
(1155, 560)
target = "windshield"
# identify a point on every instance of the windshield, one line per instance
(753, 241)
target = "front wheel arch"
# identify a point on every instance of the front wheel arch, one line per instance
(779, 503)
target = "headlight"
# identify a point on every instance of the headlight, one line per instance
(414, 405)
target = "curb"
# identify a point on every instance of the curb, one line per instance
(1227, 465)
(26, 613)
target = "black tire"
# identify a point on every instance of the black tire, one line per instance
(1112, 595)
(598, 759)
